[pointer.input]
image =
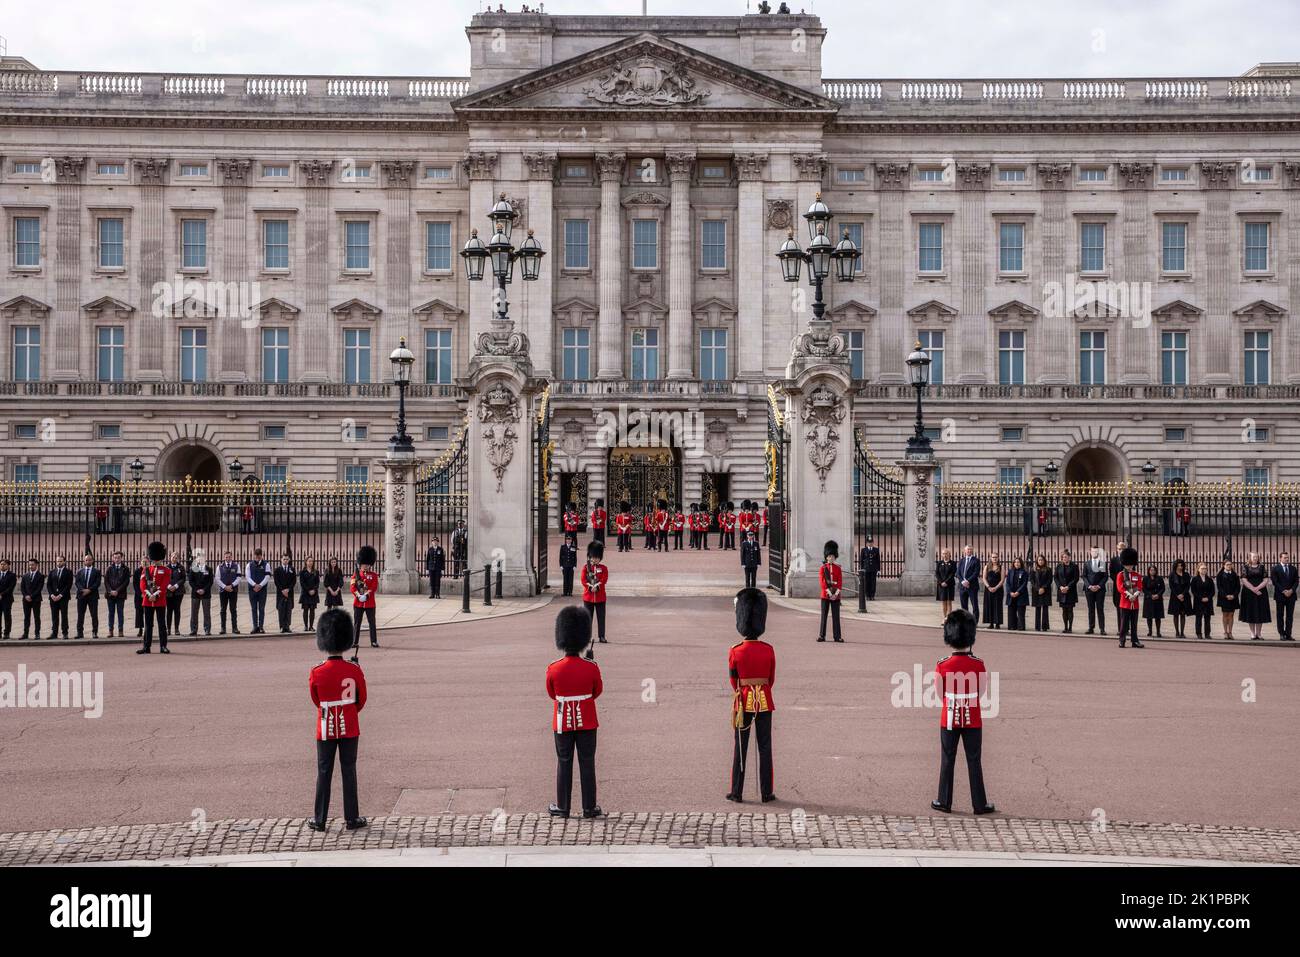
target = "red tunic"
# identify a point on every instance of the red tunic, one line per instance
(961, 674)
(831, 574)
(1134, 584)
(338, 689)
(754, 660)
(622, 523)
(745, 520)
(570, 521)
(765, 514)
(648, 522)
(574, 684)
(679, 521)
(661, 519)
(727, 520)
(594, 590)
(369, 582)
(598, 516)
(154, 580)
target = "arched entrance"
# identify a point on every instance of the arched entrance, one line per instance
(198, 507)
(1094, 463)
(198, 461)
(1091, 510)
(642, 476)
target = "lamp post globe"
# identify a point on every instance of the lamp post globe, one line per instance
(403, 360)
(918, 373)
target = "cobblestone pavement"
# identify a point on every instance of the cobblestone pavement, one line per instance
(787, 831)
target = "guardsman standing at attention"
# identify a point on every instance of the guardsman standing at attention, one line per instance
(678, 525)
(286, 581)
(117, 582)
(662, 521)
(623, 527)
(30, 588)
(869, 562)
(831, 578)
(729, 525)
(1128, 584)
(751, 666)
(175, 593)
(228, 581)
(574, 685)
(751, 556)
(599, 518)
(8, 582)
(692, 523)
(58, 588)
(569, 563)
(961, 673)
(153, 597)
(86, 588)
(648, 527)
(200, 578)
(743, 519)
(338, 690)
(766, 517)
(257, 573)
(572, 520)
(595, 578)
(365, 584)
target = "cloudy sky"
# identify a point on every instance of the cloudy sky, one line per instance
(867, 38)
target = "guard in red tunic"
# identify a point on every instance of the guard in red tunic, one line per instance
(751, 665)
(338, 690)
(595, 576)
(623, 526)
(572, 521)
(154, 579)
(364, 587)
(598, 519)
(727, 524)
(961, 674)
(662, 521)
(745, 519)
(648, 527)
(1184, 516)
(1128, 585)
(766, 515)
(831, 578)
(574, 685)
(706, 521)
(678, 526)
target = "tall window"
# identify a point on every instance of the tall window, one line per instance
(356, 474)
(932, 343)
(713, 253)
(275, 355)
(1257, 357)
(357, 238)
(1011, 475)
(194, 355)
(1092, 247)
(27, 241)
(109, 470)
(645, 243)
(713, 353)
(856, 234)
(1173, 247)
(1173, 473)
(275, 474)
(575, 353)
(1258, 475)
(1011, 357)
(437, 246)
(111, 252)
(437, 356)
(275, 244)
(27, 353)
(577, 244)
(112, 353)
(1173, 358)
(356, 355)
(1092, 357)
(931, 247)
(1011, 247)
(645, 353)
(194, 243)
(26, 473)
(856, 341)
(1257, 247)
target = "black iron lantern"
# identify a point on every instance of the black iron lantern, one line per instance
(791, 257)
(475, 255)
(819, 214)
(846, 256)
(820, 251)
(502, 253)
(503, 216)
(918, 367)
(530, 257)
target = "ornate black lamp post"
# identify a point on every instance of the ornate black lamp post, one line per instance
(918, 372)
(236, 470)
(403, 360)
(1051, 469)
(503, 254)
(820, 255)
(1148, 472)
(137, 472)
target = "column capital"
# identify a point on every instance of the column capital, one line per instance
(540, 165)
(1136, 175)
(892, 176)
(811, 166)
(397, 173)
(479, 164)
(973, 175)
(749, 166)
(680, 165)
(610, 166)
(68, 169)
(1053, 175)
(1217, 175)
(153, 171)
(234, 171)
(316, 172)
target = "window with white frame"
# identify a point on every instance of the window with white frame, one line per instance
(437, 246)
(1259, 433)
(27, 242)
(1011, 475)
(855, 339)
(194, 355)
(645, 354)
(194, 169)
(575, 353)
(111, 169)
(645, 244)
(437, 356)
(274, 433)
(852, 175)
(275, 170)
(1092, 357)
(1011, 174)
(1257, 346)
(1258, 475)
(929, 174)
(109, 470)
(108, 430)
(1011, 247)
(356, 355)
(1092, 174)
(275, 474)
(25, 430)
(356, 474)
(112, 251)
(1173, 247)
(357, 244)
(1173, 473)
(930, 247)
(437, 433)
(1011, 357)
(1173, 174)
(194, 244)
(1013, 433)
(111, 353)
(275, 355)
(1173, 358)
(713, 244)
(275, 244)
(577, 244)
(26, 473)
(1175, 433)
(1257, 243)
(437, 172)
(1092, 247)
(26, 353)
(932, 345)
(713, 354)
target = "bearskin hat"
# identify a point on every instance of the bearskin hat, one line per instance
(572, 629)
(959, 629)
(1129, 557)
(731, 507)
(157, 551)
(600, 503)
(334, 631)
(695, 506)
(832, 548)
(624, 506)
(595, 549)
(366, 555)
(661, 503)
(751, 612)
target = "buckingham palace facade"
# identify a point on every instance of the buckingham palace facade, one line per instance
(199, 268)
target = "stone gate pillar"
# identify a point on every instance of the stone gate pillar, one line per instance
(501, 389)
(918, 525)
(401, 573)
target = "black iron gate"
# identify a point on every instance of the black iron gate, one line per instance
(542, 449)
(442, 503)
(877, 509)
(777, 447)
(642, 477)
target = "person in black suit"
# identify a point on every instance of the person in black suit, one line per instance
(175, 593)
(58, 590)
(568, 562)
(86, 588)
(8, 582)
(1066, 579)
(1203, 591)
(1114, 569)
(285, 579)
(968, 581)
(30, 587)
(1286, 579)
(945, 581)
(1041, 577)
(117, 582)
(200, 582)
(435, 561)
(869, 562)
(751, 556)
(1180, 597)
(1095, 576)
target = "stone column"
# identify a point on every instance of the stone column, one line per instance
(1291, 350)
(540, 301)
(918, 525)
(317, 336)
(234, 337)
(610, 323)
(1135, 332)
(680, 274)
(149, 335)
(892, 334)
(1216, 348)
(398, 321)
(752, 262)
(502, 388)
(480, 167)
(401, 574)
(66, 318)
(971, 237)
(1056, 363)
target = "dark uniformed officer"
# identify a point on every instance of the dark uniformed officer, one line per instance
(751, 556)
(869, 562)
(435, 563)
(568, 562)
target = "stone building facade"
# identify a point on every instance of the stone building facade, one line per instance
(199, 267)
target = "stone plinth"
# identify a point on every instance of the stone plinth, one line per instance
(401, 573)
(918, 525)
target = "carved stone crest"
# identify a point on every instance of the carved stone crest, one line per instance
(822, 414)
(398, 479)
(573, 440)
(646, 84)
(780, 214)
(717, 438)
(498, 410)
(501, 342)
(819, 343)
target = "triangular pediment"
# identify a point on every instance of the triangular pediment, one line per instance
(190, 307)
(575, 308)
(644, 309)
(932, 311)
(713, 309)
(23, 304)
(644, 73)
(1261, 310)
(440, 308)
(1013, 311)
(107, 304)
(852, 310)
(1180, 310)
(356, 309)
(276, 309)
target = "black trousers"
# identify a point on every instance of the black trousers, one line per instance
(751, 576)
(346, 748)
(32, 610)
(762, 725)
(87, 603)
(972, 741)
(568, 581)
(155, 616)
(596, 609)
(309, 617)
(174, 614)
(834, 608)
(1067, 617)
(229, 600)
(435, 584)
(871, 586)
(1042, 617)
(257, 608)
(284, 611)
(1203, 615)
(598, 535)
(662, 540)
(970, 598)
(357, 615)
(677, 541)
(204, 602)
(6, 617)
(584, 743)
(1128, 625)
(59, 613)
(139, 613)
(116, 611)
(1096, 610)
(1285, 617)
(1016, 617)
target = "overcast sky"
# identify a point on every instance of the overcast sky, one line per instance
(867, 38)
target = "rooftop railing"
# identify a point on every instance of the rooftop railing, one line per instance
(1167, 89)
(221, 86)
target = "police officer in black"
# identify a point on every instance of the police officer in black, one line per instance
(435, 562)
(86, 588)
(869, 562)
(568, 562)
(751, 556)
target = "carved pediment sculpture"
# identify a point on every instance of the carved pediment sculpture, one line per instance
(823, 412)
(646, 83)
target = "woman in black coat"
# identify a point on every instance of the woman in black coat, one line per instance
(309, 594)
(1228, 584)
(945, 581)
(1017, 594)
(993, 592)
(333, 581)
(1040, 589)
(1180, 597)
(1254, 596)
(1066, 580)
(1202, 590)
(1153, 599)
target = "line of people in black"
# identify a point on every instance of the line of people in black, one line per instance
(1007, 592)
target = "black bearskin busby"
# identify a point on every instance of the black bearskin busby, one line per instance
(832, 549)
(661, 504)
(157, 551)
(1129, 557)
(596, 549)
(366, 555)
(695, 506)
(572, 629)
(624, 506)
(959, 629)
(751, 613)
(600, 503)
(334, 631)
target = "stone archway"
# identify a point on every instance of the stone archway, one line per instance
(196, 459)
(190, 509)
(1094, 463)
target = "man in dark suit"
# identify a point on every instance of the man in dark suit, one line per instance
(869, 562)
(175, 593)
(1285, 577)
(1095, 576)
(751, 556)
(8, 582)
(568, 562)
(117, 583)
(31, 587)
(286, 580)
(58, 589)
(86, 587)
(968, 581)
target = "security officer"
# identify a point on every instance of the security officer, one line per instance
(751, 556)
(869, 562)
(227, 585)
(569, 562)
(435, 563)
